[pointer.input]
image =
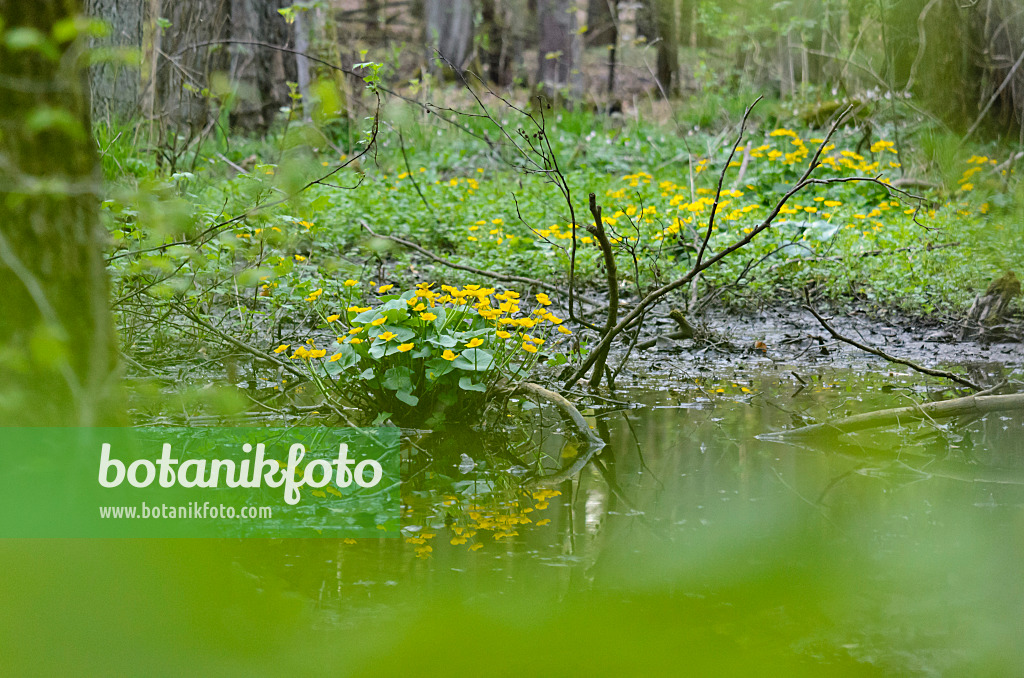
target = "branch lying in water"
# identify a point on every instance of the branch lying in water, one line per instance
(973, 404)
(586, 433)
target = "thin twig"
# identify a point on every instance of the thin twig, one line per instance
(470, 269)
(891, 358)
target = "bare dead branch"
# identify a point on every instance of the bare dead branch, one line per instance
(891, 358)
(943, 409)
(470, 269)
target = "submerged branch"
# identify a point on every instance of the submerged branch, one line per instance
(559, 401)
(972, 404)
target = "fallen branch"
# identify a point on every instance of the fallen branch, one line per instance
(942, 409)
(893, 359)
(528, 388)
(651, 343)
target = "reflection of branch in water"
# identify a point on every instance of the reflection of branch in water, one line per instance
(640, 452)
(569, 472)
(939, 409)
(613, 487)
(832, 484)
(817, 507)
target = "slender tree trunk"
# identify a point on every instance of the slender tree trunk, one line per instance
(57, 351)
(302, 26)
(495, 55)
(668, 46)
(688, 23)
(656, 22)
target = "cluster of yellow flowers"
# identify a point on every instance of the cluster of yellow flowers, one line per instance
(500, 309)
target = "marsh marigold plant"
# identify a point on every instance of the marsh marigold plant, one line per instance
(429, 354)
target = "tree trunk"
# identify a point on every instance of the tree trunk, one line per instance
(602, 23)
(114, 84)
(302, 75)
(498, 29)
(58, 361)
(656, 22)
(668, 46)
(558, 46)
(449, 26)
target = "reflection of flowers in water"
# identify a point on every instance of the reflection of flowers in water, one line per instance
(503, 518)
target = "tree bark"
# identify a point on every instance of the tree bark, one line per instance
(114, 84)
(496, 57)
(668, 46)
(449, 27)
(656, 22)
(558, 46)
(58, 362)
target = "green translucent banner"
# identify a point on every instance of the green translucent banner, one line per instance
(199, 482)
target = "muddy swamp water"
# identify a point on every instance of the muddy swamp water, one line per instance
(687, 545)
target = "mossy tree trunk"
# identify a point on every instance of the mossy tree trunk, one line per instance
(57, 349)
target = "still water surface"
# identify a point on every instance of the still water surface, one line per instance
(687, 546)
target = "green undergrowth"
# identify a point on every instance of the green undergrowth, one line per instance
(245, 227)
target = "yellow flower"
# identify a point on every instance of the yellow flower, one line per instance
(503, 334)
(333, 318)
(448, 355)
(543, 299)
(476, 547)
(529, 348)
(405, 347)
(357, 309)
(476, 342)
(300, 352)
(336, 357)
(351, 283)
(419, 307)
(314, 295)
(428, 316)
(387, 336)
(564, 330)
(318, 353)
(299, 257)
(379, 321)
(384, 288)
(356, 330)
(282, 348)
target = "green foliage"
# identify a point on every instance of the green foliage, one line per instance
(426, 357)
(257, 226)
